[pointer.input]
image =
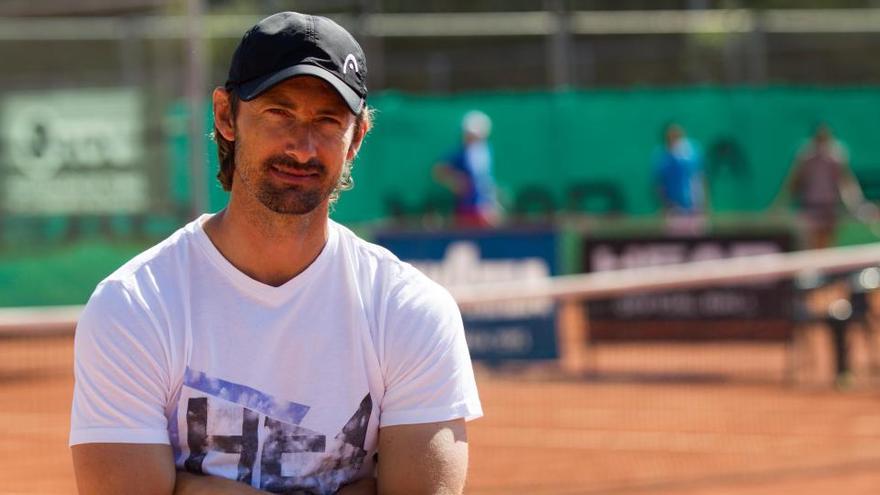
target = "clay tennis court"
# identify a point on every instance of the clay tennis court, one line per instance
(644, 419)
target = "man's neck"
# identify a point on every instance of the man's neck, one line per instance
(268, 247)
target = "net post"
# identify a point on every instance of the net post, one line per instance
(572, 334)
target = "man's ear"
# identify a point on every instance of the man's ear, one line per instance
(223, 119)
(358, 139)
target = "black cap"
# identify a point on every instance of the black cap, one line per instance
(290, 44)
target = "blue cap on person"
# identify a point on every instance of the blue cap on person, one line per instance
(289, 44)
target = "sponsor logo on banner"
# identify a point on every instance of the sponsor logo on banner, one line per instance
(758, 302)
(73, 152)
(497, 331)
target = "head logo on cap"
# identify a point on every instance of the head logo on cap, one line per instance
(350, 62)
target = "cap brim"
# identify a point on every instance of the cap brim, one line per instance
(251, 89)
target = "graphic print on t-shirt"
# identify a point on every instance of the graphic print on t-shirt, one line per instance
(239, 432)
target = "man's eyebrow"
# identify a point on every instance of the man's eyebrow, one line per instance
(280, 100)
(275, 99)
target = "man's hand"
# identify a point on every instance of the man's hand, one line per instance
(194, 484)
(422, 459)
(366, 486)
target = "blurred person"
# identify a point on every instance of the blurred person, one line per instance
(819, 180)
(266, 347)
(467, 172)
(678, 175)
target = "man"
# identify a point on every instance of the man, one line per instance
(468, 174)
(820, 179)
(266, 348)
(678, 175)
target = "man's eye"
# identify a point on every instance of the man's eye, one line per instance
(278, 111)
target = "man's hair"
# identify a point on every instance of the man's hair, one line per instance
(226, 151)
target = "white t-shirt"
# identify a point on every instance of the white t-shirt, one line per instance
(283, 388)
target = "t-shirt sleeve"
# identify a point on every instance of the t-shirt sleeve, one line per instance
(842, 152)
(121, 384)
(455, 159)
(803, 152)
(427, 366)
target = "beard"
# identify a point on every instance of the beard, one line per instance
(288, 199)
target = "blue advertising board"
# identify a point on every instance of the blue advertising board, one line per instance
(495, 332)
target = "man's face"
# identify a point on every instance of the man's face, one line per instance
(291, 144)
(674, 134)
(823, 135)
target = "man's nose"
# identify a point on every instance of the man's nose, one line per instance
(302, 144)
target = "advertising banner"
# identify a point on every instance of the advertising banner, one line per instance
(73, 152)
(495, 332)
(756, 310)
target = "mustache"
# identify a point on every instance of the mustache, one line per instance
(286, 162)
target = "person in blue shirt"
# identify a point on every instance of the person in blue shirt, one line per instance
(678, 174)
(467, 172)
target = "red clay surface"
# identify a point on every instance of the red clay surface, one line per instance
(645, 419)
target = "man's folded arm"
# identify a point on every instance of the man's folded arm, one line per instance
(423, 459)
(148, 469)
(113, 468)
